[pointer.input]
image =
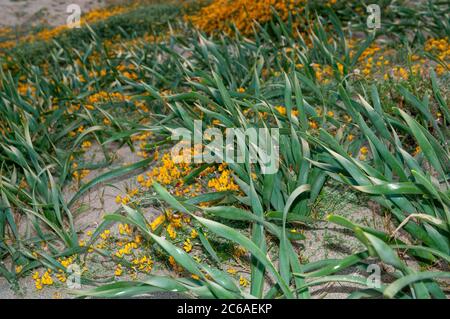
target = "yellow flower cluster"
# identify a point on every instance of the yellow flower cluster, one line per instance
(221, 14)
(363, 153)
(125, 229)
(119, 270)
(86, 145)
(78, 175)
(104, 96)
(126, 250)
(157, 221)
(141, 137)
(104, 13)
(441, 48)
(282, 111)
(128, 71)
(187, 246)
(400, 73)
(174, 219)
(371, 61)
(171, 231)
(243, 281)
(167, 173)
(91, 74)
(25, 88)
(46, 279)
(65, 262)
(231, 271)
(144, 263)
(368, 52)
(323, 73)
(105, 235)
(117, 45)
(224, 182)
(127, 198)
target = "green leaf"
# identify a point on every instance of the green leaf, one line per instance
(393, 289)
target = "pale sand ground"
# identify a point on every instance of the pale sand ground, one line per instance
(19, 12)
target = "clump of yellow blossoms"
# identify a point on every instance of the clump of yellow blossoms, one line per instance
(166, 172)
(79, 174)
(104, 96)
(231, 271)
(157, 221)
(125, 229)
(221, 14)
(282, 111)
(171, 231)
(323, 73)
(86, 145)
(126, 250)
(187, 246)
(224, 182)
(46, 279)
(441, 48)
(119, 270)
(105, 235)
(127, 198)
(144, 263)
(243, 281)
(169, 171)
(364, 151)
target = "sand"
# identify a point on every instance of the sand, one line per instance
(15, 13)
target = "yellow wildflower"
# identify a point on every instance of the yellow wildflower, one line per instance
(243, 282)
(118, 272)
(171, 231)
(47, 279)
(105, 234)
(364, 150)
(86, 145)
(232, 271)
(157, 221)
(187, 246)
(281, 109)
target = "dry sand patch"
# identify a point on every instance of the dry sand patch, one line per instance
(34, 12)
